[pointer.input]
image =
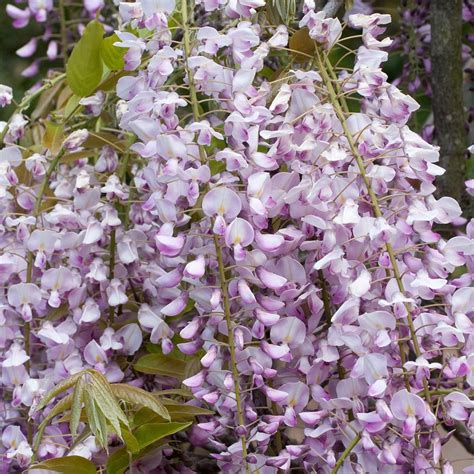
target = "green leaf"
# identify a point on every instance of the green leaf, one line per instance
(58, 389)
(145, 415)
(157, 364)
(182, 392)
(118, 461)
(66, 465)
(60, 407)
(112, 55)
(72, 105)
(138, 396)
(177, 408)
(94, 416)
(151, 432)
(130, 441)
(216, 167)
(53, 137)
(107, 403)
(76, 407)
(58, 313)
(84, 67)
(302, 46)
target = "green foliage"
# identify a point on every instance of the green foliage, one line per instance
(159, 364)
(84, 68)
(111, 55)
(148, 419)
(140, 398)
(66, 465)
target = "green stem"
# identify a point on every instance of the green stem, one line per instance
(192, 86)
(346, 453)
(217, 245)
(112, 247)
(63, 29)
(338, 104)
(233, 358)
(29, 266)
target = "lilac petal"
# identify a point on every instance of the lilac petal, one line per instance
(176, 306)
(195, 268)
(169, 246)
(245, 292)
(221, 201)
(275, 395)
(170, 279)
(195, 381)
(405, 404)
(289, 330)
(268, 319)
(239, 232)
(269, 279)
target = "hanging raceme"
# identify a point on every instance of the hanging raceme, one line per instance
(222, 251)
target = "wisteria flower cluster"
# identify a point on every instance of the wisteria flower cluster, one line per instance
(252, 255)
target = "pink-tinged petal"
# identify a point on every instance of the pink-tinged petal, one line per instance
(289, 330)
(409, 427)
(190, 330)
(361, 285)
(270, 280)
(127, 251)
(268, 319)
(460, 398)
(94, 354)
(52, 51)
(462, 301)
(245, 292)
(176, 306)
(116, 293)
(170, 279)
(131, 338)
(298, 395)
(24, 294)
(195, 268)
(383, 411)
(269, 242)
(347, 313)
(377, 389)
(90, 312)
(169, 246)
(424, 280)
(94, 233)
(405, 404)
(270, 304)
(274, 351)
(243, 80)
(324, 262)
(275, 395)
(239, 232)
(28, 49)
(210, 356)
(216, 298)
(219, 225)
(20, 17)
(195, 381)
(223, 202)
(311, 418)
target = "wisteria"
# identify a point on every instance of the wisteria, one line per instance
(243, 229)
